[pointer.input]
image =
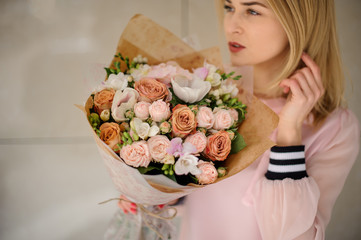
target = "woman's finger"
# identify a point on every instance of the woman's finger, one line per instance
(303, 82)
(294, 87)
(314, 69)
(126, 205)
(311, 82)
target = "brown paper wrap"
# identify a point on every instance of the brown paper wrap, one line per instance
(143, 36)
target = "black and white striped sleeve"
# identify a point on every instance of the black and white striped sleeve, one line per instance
(287, 162)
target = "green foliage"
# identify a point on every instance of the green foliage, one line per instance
(238, 143)
(175, 100)
(144, 170)
(225, 76)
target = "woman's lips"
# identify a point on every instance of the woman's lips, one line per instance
(235, 47)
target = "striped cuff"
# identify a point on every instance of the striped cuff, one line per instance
(287, 162)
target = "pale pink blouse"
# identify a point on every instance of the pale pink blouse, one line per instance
(249, 206)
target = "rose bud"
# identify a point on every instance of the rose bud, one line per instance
(231, 134)
(165, 127)
(105, 115)
(94, 119)
(221, 172)
(226, 97)
(203, 130)
(124, 126)
(129, 114)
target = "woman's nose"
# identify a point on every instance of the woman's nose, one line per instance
(233, 25)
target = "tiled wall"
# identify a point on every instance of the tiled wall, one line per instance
(51, 55)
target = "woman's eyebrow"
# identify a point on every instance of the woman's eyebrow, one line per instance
(252, 3)
(249, 3)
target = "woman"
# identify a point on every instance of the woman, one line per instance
(289, 192)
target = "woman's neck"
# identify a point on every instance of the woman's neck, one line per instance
(262, 76)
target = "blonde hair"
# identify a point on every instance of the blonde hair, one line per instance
(311, 27)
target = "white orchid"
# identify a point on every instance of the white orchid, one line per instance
(143, 129)
(187, 164)
(229, 88)
(140, 72)
(116, 82)
(123, 101)
(190, 91)
(213, 77)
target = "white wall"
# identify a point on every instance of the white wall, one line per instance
(51, 55)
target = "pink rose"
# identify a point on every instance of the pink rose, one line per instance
(205, 117)
(136, 154)
(222, 119)
(208, 174)
(199, 140)
(164, 72)
(141, 110)
(159, 111)
(158, 147)
(234, 114)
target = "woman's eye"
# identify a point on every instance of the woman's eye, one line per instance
(228, 8)
(252, 12)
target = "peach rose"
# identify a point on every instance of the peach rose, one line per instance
(158, 147)
(110, 134)
(141, 110)
(103, 100)
(183, 121)
(205, 117)
(151, 89)
(136, 154)
(208, 174)
(218, 146)
(222, 119)
(159, 111)
(199, 140)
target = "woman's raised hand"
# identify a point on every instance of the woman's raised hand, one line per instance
(304, 89)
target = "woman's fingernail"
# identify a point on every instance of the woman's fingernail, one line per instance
(133, 205)
(125, 211)
(161, 206)
(133, 210)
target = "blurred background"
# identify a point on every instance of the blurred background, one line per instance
(51, 56)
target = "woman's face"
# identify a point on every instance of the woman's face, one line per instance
(254, 34)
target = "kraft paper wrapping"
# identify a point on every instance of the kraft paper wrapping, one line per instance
(145, 37)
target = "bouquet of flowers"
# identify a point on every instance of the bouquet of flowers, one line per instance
(163, 119)
(169, 122)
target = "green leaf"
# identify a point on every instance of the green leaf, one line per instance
(172, 177)
(144, 170)
(175, 100)
(237, 77)
(117, 65)
(238, 143)
(108, 71)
